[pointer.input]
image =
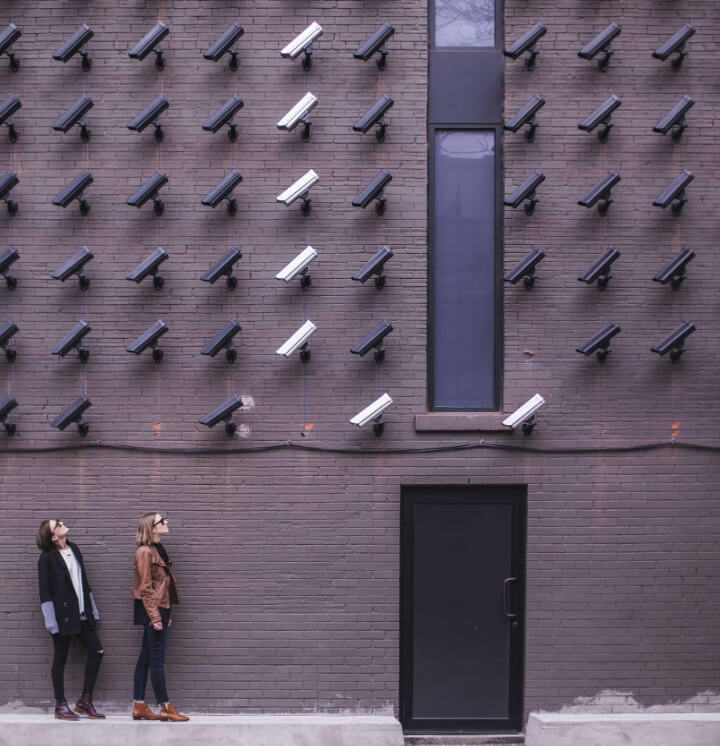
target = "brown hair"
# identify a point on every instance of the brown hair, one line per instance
(144, 535)
(44, 537)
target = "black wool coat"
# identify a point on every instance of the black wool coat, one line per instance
(58, 600)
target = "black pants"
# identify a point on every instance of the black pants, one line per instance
(91, 642)
(152, 660)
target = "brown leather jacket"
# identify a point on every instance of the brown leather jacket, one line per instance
(153, 582)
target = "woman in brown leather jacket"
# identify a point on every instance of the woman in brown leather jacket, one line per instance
(154, 592)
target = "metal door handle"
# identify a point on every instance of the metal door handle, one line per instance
(506, 584)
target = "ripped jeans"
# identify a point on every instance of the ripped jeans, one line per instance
(93, 647)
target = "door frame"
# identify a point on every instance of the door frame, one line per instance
(516, 496)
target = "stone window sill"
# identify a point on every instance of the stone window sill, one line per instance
(460, 421)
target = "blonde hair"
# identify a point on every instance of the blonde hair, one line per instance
(144, 535)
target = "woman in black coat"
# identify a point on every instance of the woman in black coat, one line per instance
(69, 611)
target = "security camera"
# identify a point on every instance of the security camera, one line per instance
(374, 116)
(526, 43)
(73, 341)
(376, 267)
(675, 119)
(601, 43)
(299, 190)
(525, 269)
(150, 266)
(224, 46)
(298, 266)
(223, 116)
(602, 116)
(7, 259)
(374, 341)
(74, 413)
(674, 45)
(75, 265)
(675, 193)
(674, 343)
(599, 270)
(8, 181)
(299, 114)
(224, 268)
(375, 190)
(8, 107)
(525, 415)
(602, 193)
(75, 45)
(7, 38)
(526, 116)
(674, 271)
(149, 116)
(224, 190)
(149, 190)
(223, 413)
(303, 43)
(149, 338)
(223, 341)
(7, 405)
(75, 190)
(7, 331)
(599, 343)
(526, 191)
(298, 341)
(149, 43)
(373, 413)
(375, 44)
(73, 115)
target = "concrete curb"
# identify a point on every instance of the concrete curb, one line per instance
(631, 729)
(208, 730)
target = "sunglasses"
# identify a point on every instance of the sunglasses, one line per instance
(162, 520)
(58, 523)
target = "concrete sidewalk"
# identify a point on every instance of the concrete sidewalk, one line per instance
(204, 730)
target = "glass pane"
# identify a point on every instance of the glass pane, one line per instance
(464, 23)
(463, 271)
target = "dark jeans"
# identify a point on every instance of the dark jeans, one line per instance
(91, 642)
(152, 659)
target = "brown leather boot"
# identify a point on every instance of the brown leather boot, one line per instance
(142, 712)
(63, 712)
(168, 712)
(86, 707)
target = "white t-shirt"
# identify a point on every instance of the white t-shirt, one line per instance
(73, 567)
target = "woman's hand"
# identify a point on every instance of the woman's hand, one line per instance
(157, 626)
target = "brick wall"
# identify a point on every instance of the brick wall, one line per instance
(287, 559)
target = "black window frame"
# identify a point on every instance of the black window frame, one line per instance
(499, 28)
(497, 129)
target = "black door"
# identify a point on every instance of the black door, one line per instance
(463, 590)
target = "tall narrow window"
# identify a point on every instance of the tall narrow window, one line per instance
(463, 270)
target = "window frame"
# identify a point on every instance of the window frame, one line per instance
(499, 28)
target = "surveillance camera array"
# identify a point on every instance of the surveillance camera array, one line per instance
(600, 194)
(77, 189)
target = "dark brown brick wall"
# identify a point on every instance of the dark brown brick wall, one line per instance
(288, 560)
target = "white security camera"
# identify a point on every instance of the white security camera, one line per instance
(299, 113)
(373, 413)
(298, 266)
(299, 190)
(525, 415)
(303, 43)
(298, 341)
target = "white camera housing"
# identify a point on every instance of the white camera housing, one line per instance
(297, 340)
(299, 188)
(372, 411)
(298, 112)
(299, 264)
(525, 412)
(302, 41)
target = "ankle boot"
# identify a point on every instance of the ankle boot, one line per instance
(169, 712)
(142, 712)
(86, 707)
(63, 712)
